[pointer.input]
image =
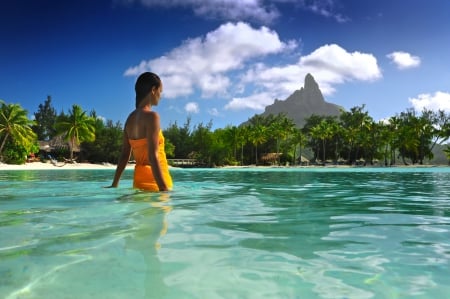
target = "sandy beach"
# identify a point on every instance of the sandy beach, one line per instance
(87, 166)
(59, 165)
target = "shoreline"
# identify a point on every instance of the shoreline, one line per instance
(59, 165)
(91, 166)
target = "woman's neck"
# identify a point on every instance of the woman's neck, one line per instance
(147, 107)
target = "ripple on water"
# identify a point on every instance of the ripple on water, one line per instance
(227, 234)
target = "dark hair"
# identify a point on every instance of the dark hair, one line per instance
(144, 84)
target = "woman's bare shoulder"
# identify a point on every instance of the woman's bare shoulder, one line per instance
(130, 117)
(151, 115)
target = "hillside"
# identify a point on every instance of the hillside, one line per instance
(303, 103)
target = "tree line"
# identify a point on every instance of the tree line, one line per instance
(98, 140)
(351, 138)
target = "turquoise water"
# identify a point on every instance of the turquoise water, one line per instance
(227, 233)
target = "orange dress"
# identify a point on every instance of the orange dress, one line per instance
(143, 175)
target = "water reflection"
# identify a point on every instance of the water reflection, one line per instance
(149, 224)
(91, 246)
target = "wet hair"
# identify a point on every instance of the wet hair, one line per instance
(144, 84)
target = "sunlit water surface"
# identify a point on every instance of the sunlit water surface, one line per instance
(227, 233)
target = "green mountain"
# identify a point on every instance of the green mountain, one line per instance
(303, 103)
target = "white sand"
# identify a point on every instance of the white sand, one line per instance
(82, 166)
(59, 165)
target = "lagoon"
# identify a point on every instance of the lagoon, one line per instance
(227, 233)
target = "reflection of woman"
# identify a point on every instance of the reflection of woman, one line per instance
(143, 137)
(149, 224)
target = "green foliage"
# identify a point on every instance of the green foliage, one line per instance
(169, 148)
(107, 144)
(352, 137)
(447, 153)
(221, 152)
(181, 138)
(202, 142)
(15, 130)
(14, 153)
(60, 153)
(45, 119)
(77, 127)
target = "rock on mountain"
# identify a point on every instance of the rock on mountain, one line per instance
(303, 103)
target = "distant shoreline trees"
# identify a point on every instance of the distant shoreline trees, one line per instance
(351, 138)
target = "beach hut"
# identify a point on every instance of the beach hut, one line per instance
(271, 158)
(44, 146)
(56, 144)
(303, 161)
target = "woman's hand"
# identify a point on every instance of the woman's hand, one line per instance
(110, 186)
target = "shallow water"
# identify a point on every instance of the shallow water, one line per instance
(227, 233)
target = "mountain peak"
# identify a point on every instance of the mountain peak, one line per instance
(303, 103)
(310, 83)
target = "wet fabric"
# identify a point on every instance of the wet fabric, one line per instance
(143, 175)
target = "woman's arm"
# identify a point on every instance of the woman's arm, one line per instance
(153, 128)
(123, 159)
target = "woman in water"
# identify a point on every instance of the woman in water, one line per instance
(143, 137)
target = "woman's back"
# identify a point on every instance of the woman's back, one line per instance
(139, 123)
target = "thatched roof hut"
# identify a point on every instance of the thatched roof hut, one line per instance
(271, 158)
(56, 142)
(302, 160)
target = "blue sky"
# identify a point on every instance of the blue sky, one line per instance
(225, 60)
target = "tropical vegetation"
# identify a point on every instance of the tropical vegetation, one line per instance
(16, 135)
(352, 138)
(76, 127)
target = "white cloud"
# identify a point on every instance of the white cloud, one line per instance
(227, 63)
(192, 107)
(212, 84)
(323, 8)
(404, 60)
(437, 101)
(255, 102)
(264, 11)
(233, 10)
(329, 65)
(203, 62)
(213, 112)
(342, 64)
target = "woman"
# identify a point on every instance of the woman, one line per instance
(143, 137)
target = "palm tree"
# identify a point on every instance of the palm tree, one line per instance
(257, 136)
(394, 127)
(386, 136)
(365, 136)
(231, 133)
(447, 153)
(336, 133)
(442, 125)
(243, 136)
(355, 124)
(323, 132)
(287, 127)
(276, 130)
(77, 127)
(415, 134)
(202, 140)
(298, 138)
(14, 123)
